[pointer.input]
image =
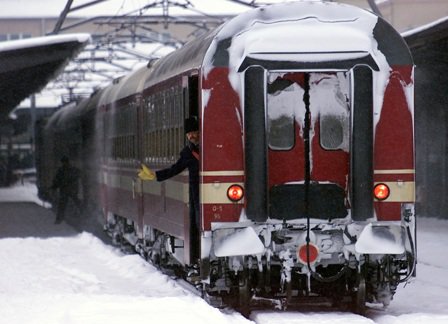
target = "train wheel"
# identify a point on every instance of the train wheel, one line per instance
(244, 294)
(154, 258)
(359, 296)
(116, 238)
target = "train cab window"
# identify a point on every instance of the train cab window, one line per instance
(329, 94)
(328, 105)
(332, 132)
(282, 96)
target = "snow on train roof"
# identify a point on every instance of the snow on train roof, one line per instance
(303, 32)
(297, 31)
(287, 31)
(315, 27)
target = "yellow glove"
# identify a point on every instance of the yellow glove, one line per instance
(146, 173)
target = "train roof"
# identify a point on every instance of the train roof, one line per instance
(302, 30)
(189, 57)
(296, 31)
(72, 113)
(427, 35)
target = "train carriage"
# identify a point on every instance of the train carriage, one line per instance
(307, 156)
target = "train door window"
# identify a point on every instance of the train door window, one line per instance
(158, 104)
(149, 129)
(332, 132)
(191, 98)
(282, 97)
(178, 120)
(193, 95)
(329, 104)
(176, 116)
(169, 152)
(329, 97)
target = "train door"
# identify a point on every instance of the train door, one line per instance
(191, 95)
(137, 185)
(308, 127)
(192, 218)
(307, 145)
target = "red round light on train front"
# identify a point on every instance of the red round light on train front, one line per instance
(307, 252)
(235, 192)
(381, 191)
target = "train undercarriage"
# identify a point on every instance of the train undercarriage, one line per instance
(277, 278)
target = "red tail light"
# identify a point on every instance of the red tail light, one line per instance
(313, 253)
(381, 191)
(235, 192)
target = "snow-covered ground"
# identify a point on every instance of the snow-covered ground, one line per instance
(55, 274)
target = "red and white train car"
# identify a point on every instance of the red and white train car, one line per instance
(307, 156)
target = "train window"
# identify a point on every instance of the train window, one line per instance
(282, 97)
(177, 122)
(162, 122)
(121, 124)
(332, 131)
(329, 94)
(329, 98)
(150, 128)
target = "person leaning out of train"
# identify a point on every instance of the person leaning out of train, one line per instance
(188, 159)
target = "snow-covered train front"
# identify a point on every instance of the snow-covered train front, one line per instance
(307, 157)
(309, 108)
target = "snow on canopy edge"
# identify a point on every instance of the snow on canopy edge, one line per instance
(43, 41)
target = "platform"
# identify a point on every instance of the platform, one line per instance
(28, 219)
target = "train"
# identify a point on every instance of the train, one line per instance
(306, 166)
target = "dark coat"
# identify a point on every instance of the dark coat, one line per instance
(186, 160)
(66, 180)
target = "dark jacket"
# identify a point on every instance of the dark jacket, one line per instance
(66, 179)
(186, 160)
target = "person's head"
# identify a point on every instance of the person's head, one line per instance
(192, 130)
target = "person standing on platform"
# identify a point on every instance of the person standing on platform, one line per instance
(66, 182)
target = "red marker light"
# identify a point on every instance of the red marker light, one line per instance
(235, 192)
(313, 253)
(381, 191)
